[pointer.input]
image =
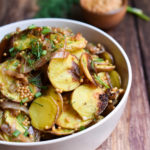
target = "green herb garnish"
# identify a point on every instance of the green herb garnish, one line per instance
(99, 60)
(44, 87)
(100, 81)
(31, 62)
(11, 49)
(36, 80)
(26, 133)
(82, 128)
(92, 65)
(23, 36)
(38, 94)
(1, 115)
(13, 52)
(23, 100)
(30, 88)
(36, 49)
(32, 26)
(44, 52)
(8, 36)
(38, 104)
(16, 64)
(16, 133)
(46, 30)
(138, 12)
(52, 44)
(20, 118)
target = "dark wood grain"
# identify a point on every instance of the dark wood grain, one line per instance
(132, 131)
(14, 10)
(143, 29)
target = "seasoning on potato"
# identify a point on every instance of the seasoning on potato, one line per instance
(54, 82)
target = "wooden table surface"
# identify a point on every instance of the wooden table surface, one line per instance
(133, 130)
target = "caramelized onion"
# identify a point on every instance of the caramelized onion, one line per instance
(14, 106)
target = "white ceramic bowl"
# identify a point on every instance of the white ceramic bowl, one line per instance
(92, 137)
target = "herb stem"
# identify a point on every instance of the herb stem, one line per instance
(100, 81)
(138, 12)
(38, 104)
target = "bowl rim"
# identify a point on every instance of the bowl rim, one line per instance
(122, 101)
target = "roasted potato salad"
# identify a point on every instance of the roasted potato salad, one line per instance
(64, 73)
(54, 83)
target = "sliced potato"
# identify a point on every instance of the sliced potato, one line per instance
(1, 117)
(9, 83)
(43, 113)
(70, 119)
(51, 93)
(61, 131)
(86, 66)
(4, 137)
(115, 79)
(78, 53)
(23, 42)
(86, 100)
(69, 43)
(75, 42)
(18, 128)
(1, 137)
(64, 73)
(60, 44)
(107, 56)
(15, 123)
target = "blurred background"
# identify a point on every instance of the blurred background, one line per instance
(83, 10)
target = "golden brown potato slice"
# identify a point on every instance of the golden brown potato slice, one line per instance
(75, 42)
(12, 83)
(69, 43)
(88, 101)
(16, 123)
(78, 53)
(17, 127)
(64, 73)
(4, 137)
(51, 93)
(70, 119)
(43, 113)
(23, 42)
(87, 65)
(61, 131)
(115, 79)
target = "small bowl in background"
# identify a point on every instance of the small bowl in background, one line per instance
(104, 20)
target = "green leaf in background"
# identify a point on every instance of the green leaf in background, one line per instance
(55, 8)
(138, 12)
